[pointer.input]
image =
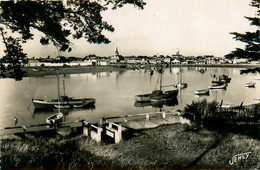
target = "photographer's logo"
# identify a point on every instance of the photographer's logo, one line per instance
(238, 157)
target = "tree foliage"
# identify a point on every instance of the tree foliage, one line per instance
(58, 20)
(251, 39)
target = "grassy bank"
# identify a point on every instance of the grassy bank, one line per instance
(167, 146)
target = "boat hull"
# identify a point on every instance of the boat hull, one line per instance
(182, 85)
(250, 85)
(218, 86)
(42, 104)
(165, 96)
(56, 118)
(201, 92)
(143, 98)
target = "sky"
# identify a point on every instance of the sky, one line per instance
(194, 27)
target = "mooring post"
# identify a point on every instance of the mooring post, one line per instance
(118, 134)
(163, 115)
(109, 125)
(147, 116)
(86, 129)
(100, 122)
(125, 119)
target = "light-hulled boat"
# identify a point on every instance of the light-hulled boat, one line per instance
(218, 86)
(55, 118)
(201, 92)
(250, 84)
(62, 100)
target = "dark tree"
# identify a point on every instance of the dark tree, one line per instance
(251, 39)
(57, 21)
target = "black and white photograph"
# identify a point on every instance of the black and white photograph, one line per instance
(129, 84)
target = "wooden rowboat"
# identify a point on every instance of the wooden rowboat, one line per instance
(55, 118)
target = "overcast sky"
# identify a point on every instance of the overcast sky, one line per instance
(195, 27)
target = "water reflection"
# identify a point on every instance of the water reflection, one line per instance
(173, 102)
(114, 93)
(64, 111)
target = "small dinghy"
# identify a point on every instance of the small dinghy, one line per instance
(250, 84)
(201, 92)
(222, 86)
(55, 118)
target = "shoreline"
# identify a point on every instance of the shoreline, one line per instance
(167, 146)
(39, 71)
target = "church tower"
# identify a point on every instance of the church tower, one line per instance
(117, 53)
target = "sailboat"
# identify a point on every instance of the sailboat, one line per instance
(158, 95)
(250, 84)
(181, 84)
(66, 102)
(63, 105)
(57, 117)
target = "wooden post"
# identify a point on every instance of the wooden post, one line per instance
(86, 130)
(163, 115)
(101, 122)
(118, 134)
(125, 119)
(147, 116)
(96, 135)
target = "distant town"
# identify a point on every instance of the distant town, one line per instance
(177, 58)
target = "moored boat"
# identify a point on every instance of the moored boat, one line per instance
(181, 84)
(221, 86)
(202, 91)
(43, 104)
(158, 95)
(55, 118)
(62, 100)
(250, 84)
(143, 98)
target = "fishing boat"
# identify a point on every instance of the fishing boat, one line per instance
(220, 86)
(143, 98)
(55, 118)
(221, 79)
(43, 104)
(201, 92)
(250, 84)
(64, 100)
(180, 84)
(158, 95)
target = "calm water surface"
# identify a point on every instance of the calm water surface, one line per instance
(114, 92)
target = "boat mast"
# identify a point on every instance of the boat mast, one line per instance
(58, 83)
(161, 77)
(64, 87)
(180, 80)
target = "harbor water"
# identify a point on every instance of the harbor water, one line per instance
(114, 92)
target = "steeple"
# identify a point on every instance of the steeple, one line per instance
(116, 52)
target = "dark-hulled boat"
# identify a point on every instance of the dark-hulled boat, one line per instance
(62, 100)
(43, 104)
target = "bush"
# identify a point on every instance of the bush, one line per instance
(202, 109)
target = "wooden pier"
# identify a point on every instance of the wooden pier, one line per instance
(110, 127)
(239, 111)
